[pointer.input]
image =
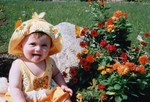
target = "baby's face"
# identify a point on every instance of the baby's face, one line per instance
(36, 48)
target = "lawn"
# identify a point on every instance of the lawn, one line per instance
(73, 12)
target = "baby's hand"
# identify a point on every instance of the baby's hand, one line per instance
(67, 89)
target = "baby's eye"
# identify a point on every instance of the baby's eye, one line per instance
(44, 45)
(33, 44)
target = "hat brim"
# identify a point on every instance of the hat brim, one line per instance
(15, 48)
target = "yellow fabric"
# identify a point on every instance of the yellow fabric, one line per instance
(32, 82)
(38, 89)
(36, 24)
(56, 95)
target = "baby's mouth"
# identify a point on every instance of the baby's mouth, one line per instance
(36, 56)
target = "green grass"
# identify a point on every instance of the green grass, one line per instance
(73, 12)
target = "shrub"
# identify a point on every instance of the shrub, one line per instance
(110, 67)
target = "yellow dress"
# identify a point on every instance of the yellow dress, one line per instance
(38, 89)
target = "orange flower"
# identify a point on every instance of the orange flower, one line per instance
(116, 65)
(101, 67)
(85, 51)
(131, 66)
(103, 72)
(118, 14)
(97, 54)
(141, 69)
(123, 70)
(79, 56)
(110, 28)
(90, 58)
(109, 70)
(109, 22)
(143, 59)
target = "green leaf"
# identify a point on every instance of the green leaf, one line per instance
(125, 97)
(110, 93)
(118, 99)
(117, 87)
(110, 88)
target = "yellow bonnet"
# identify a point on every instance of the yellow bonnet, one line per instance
(36, 24)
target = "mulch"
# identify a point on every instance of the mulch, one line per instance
(5, 64)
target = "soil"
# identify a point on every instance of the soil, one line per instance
(5, 64)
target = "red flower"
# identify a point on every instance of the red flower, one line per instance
(111, 48)
(94, 33)
(87, 67)
(124, 56)
(90, 58)
(100, 24)
(103, 43)
(83, 44)
(125, 15)
(89, 1)
(104, 97)
(74, 80)
(136, 48)
(101, 86)
(64, 74)
(73, 71)
(146, 34)
(84, 30)
(83, 62)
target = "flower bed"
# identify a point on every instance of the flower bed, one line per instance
(111, 68)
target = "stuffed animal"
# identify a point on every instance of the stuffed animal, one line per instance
(3, 87)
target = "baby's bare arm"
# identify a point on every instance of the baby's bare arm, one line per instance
(58, 78)
(15, 83)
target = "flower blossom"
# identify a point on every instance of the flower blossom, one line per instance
(94, 33)
(100, 24)
(101, 86)
(103, 97)
(103, 43)
(146, 34)
(118, 14)
(90, 58)
(111, 48)
(143, 59)
(131, 66)
(124, 56)
(80, 97)
(141, 69)
(122, 70)
(85, 51)
(83, 44)
(74, 80)
(73, 71)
